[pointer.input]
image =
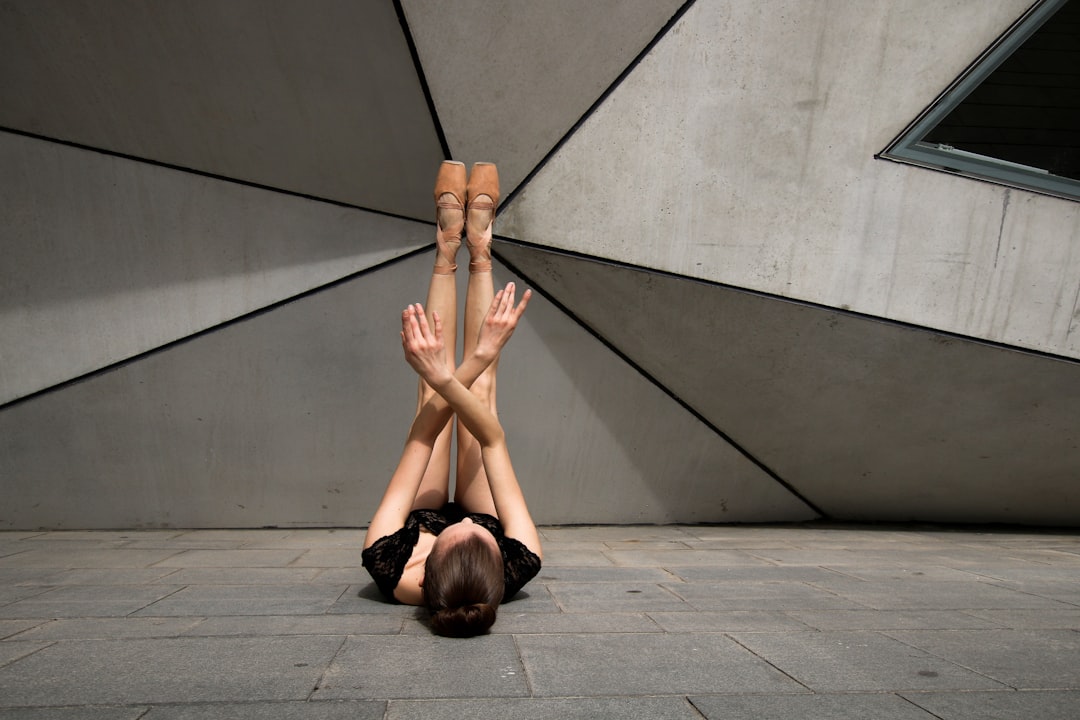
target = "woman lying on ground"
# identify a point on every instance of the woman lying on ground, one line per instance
(460, 559)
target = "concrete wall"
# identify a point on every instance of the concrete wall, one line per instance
(741, 150)
(296, 416)
(211, 215)
(107, 258)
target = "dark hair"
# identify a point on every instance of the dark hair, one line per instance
(463, 586)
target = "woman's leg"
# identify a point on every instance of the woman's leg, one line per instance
(472, 490)
(434, 488)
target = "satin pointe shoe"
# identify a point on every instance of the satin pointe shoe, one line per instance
(482, 197)
(449, 215)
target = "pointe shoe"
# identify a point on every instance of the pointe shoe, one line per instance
(449, 224)
(482, 198)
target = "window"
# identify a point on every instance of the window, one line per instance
(1014, 116)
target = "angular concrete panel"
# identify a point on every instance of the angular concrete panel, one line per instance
(296, 417)
(322, 100)
(741, 150)
(866, 419)
(284, 417)
(510, 79)
(106, 258)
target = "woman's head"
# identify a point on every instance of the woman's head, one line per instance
(463, 582)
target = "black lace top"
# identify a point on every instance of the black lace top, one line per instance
(387, 556)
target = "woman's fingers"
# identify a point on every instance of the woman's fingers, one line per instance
(437, 337)
(524, 301)
(413, 326)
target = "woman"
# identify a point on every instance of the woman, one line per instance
(459, 559)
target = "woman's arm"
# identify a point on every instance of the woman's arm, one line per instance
(505, 491)
(433, 415)
(421, 348)
(397, 500)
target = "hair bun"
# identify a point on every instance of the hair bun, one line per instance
(464, 621)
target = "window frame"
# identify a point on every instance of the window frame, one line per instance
(909, 148)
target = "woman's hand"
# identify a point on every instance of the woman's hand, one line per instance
(424, 348)
(499, 324)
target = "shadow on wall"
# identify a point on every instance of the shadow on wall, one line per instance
(616, 447)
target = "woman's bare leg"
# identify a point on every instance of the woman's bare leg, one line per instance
(434, 488)
(471, 489)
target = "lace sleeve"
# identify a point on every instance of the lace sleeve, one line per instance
(385, 559)
(520, 565)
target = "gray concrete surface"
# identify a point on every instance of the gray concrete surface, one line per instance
(742, 148)
(168, 168)
(509, 79)
(815, 621)
(319, 99)
(843, 407)
(297, 417)
(94, 277)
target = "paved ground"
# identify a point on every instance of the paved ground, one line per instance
(646, 622)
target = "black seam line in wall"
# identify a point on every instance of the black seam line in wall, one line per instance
(600, 100)
(214, 328)
(822, 515)
(404, 21)
(997, 345)
(200, 173)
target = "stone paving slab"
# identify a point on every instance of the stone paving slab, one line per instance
(1022, 659)
(10, 628)
(15, 593)
(755, 573)
(105, 576)
(711, 596)
(646, 664)
(23, 576)
(331, 710)
(409, 666)
(1024, 619)
(250, 576)
(259, 599)
(135, 712)
(348, 538)
(681, 558)
(915, 573)
(730, 621)
(88, 628)
(173, 670)
(615, 597)
(942, 595)
(809, 707)
(891, 619)
(12, 651)
(616, 533)
(86, 601)
(603, 574)
(531, 623)
(232, 558)
(575, 555)
(651, 708)
(71, 556)
(1044, 705)
(861, 661)
(368, 624)
(329, 557)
